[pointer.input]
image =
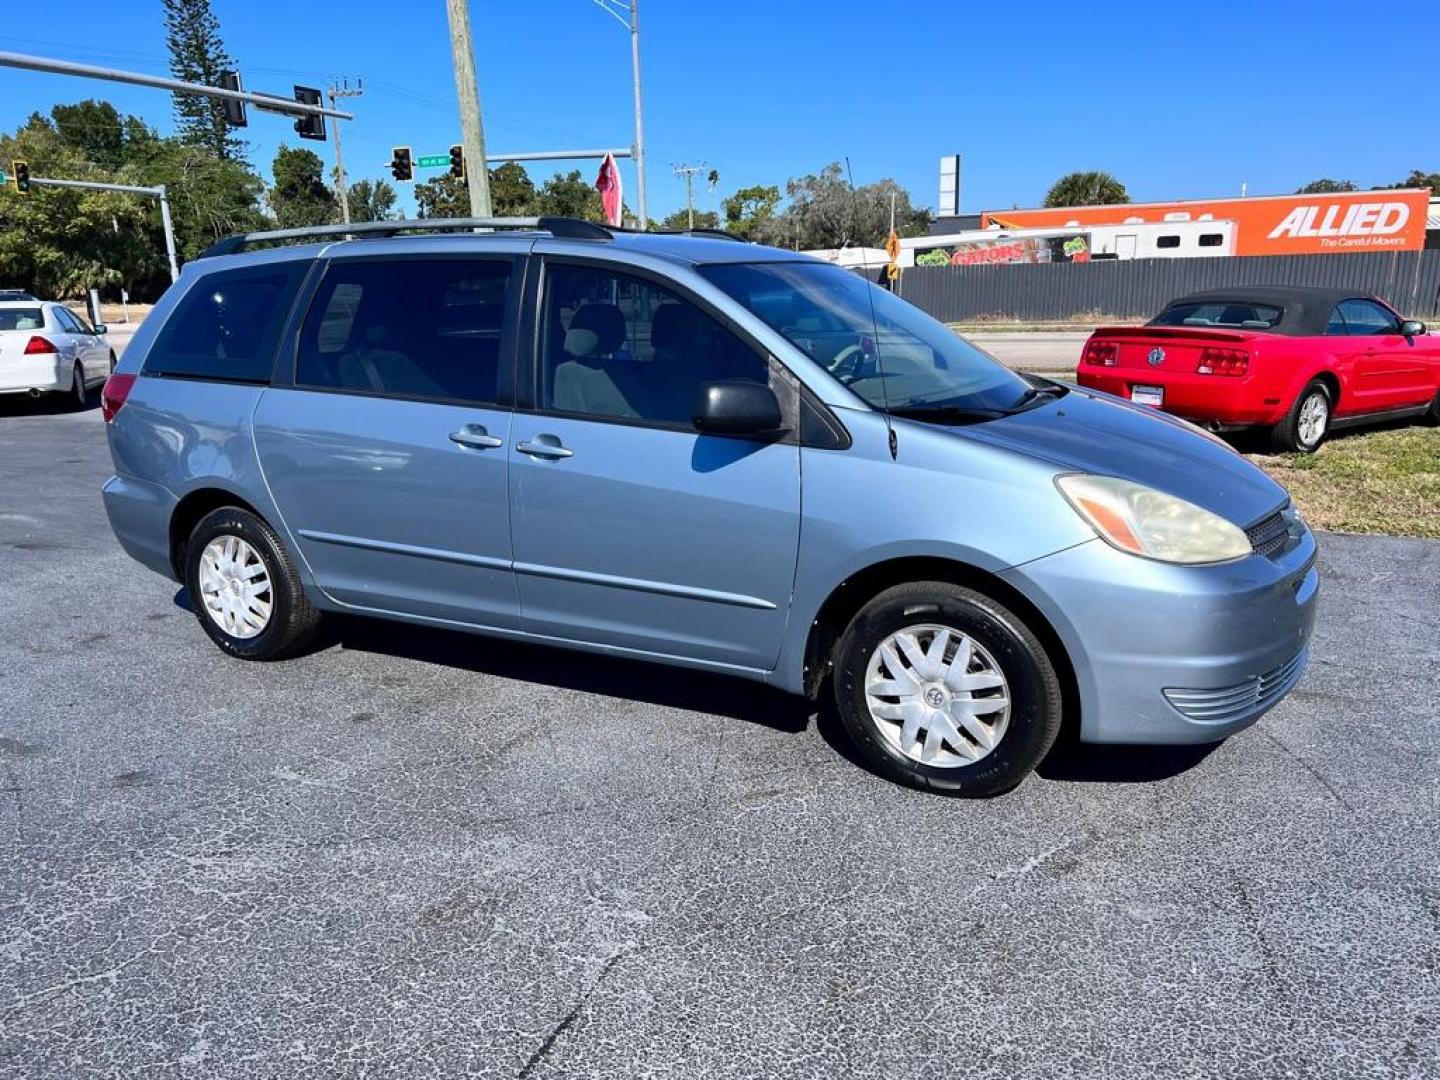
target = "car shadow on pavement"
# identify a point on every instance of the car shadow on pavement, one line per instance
(1076, 762)
(590, 673)
(696, 691)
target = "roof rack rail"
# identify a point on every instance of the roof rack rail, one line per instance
(568, 228)
(714, 234)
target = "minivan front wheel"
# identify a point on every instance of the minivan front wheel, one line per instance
(244, 587)
(942, 687)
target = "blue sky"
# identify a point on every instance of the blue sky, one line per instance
(1176, 100)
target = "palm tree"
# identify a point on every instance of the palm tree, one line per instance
(1086, 189)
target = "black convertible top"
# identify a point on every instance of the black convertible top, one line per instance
(1306, 309)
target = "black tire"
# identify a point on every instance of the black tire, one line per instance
(1286, 434)
(1033, 686)
(78, 397)
(112, 361)
(293, 619)
(1433, 416)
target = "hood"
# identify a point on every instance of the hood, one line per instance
(1095, 433)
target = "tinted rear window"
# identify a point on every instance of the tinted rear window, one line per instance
(1230, 314)
(227, 325)
(24, 318)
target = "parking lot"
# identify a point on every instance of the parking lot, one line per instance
(420, 853)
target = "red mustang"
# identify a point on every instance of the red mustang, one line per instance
(1298, 360)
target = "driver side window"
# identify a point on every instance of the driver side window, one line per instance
(622, 347)
(1367, 317)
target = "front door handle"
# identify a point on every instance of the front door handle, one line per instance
(546, 446)
(475, 436)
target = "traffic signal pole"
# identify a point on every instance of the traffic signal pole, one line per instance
(269, 102)
(157, 192)
(467, 91)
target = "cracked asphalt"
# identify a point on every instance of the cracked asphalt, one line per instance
(423, 854)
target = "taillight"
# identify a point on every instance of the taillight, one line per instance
(1101, 353)
(1223, 362)
(37, 345)
(117, 389)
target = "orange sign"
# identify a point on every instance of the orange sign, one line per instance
(1266, 225)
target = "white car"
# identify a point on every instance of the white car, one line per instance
(46, 348)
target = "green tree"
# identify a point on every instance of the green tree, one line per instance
(824, 211)
(569, 195)
(371, 200)
(1086, 189)
(446, 196)
(680, 219)
(747, 208)
(512, 192)
(300, 195)
(197, 55)
(59, 242)
(1326, 186)
(1419, 179)
(101, 134)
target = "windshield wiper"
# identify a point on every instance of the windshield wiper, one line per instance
(1049, 389)
(946, 413)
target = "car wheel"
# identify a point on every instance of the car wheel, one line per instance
(244, 587)
(79, 398)
(943, 688)
(1433, 416)
(112, 361)
(1308, 421)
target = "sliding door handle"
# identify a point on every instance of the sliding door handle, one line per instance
(476, 437)
(545, 446)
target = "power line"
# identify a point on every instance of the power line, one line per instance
(688, 171)
(338, 91)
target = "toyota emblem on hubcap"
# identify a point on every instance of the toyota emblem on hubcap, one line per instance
(1156, 357)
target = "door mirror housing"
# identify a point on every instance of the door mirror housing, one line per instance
(100, 328)
(737, 407)
(1412, 328)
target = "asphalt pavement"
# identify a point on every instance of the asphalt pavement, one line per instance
(417, 853)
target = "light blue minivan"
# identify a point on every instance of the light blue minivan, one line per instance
(700, 452)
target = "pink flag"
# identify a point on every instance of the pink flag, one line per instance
(608, 184)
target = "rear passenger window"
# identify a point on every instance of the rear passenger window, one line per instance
(623, 347)
(408, 328)
(227, 325)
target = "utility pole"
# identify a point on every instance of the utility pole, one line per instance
(342, 188)
(639, 124)
(467, 91)
(689, 171)
(617, 9)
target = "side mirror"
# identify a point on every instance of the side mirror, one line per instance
(100, 328)
(1412, 328)
(736, 407)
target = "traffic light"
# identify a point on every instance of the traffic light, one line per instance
(309, 126)
(457, 161)
(402, 167)
(234, 110)
(21, 171)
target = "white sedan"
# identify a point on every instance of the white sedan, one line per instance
(46, 348)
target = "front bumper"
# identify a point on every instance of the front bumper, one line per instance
(1177, 654)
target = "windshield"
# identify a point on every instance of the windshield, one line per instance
(900, 359)
(24, 318)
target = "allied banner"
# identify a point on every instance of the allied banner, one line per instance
(1385, 220)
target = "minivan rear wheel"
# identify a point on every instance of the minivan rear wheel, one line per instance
(943, 688)
(244, 587)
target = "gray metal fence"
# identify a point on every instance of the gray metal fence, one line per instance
(1410, 280)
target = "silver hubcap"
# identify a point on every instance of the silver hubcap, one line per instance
(937, 696)
(1314, 414)
(235, 587)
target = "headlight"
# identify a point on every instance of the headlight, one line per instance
(1147, 522)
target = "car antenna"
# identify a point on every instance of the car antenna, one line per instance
(874, 322)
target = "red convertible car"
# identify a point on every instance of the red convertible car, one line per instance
(1300, 361)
